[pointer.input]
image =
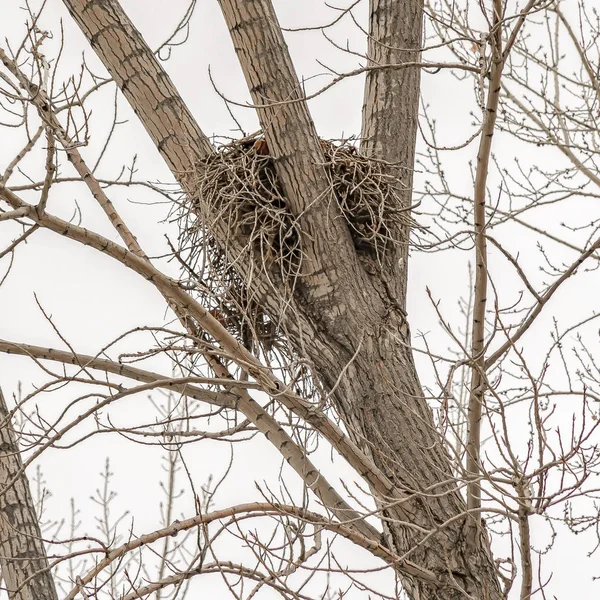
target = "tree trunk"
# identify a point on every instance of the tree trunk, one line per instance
(382, 405)
(346, 314)
(391, 109)
(22, 553)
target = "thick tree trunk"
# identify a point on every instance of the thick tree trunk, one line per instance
(391, 108)
(22, 553)
(346, 315)
(355, 309)
(382, 405)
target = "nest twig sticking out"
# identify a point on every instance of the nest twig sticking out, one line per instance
(237, 189)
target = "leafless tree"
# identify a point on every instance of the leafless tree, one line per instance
(286, 301)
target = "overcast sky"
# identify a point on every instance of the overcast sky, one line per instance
(92, 300)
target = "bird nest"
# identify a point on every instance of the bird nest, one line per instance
(237, 193)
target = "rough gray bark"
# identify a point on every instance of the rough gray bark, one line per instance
(293, 142)
(347, 314)
(356, 321)
(391, 106)
(22, 554)
(144, 83)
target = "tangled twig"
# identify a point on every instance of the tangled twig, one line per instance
(237, 188)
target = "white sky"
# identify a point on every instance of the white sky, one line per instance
(92, 300)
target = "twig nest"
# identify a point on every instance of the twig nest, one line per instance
(237, 190)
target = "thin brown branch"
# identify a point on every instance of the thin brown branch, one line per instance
(174, 294)
(477, 388)
(546, 296)
(84, 361)
(17, 241)
(255, 509)
(54, 128)
(290, 135)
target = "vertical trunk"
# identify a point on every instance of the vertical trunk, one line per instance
(391, 107)
(388, 405)
(22, 553)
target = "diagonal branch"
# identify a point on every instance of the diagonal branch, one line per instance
(54, 129)
(289, 132)
(175, 295)
(143, 81)
(543, 300)
(552, 137)
(288, 128)
(237, 398)
(85, 361)
(253, 509)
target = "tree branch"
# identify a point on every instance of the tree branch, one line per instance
(143, 81)
(477, 389)
(54, 129)
(187, 305)
(291, 137)
(85, 361)
(256, 509)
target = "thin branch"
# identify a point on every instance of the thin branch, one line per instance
(477, 389)
(255, 509)
(173, 293)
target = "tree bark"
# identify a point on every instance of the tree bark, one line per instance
(144, 83)
(391, 108)
(384, 410)
(22, 553)
(346, 317)
(356, 320)
(293, 142)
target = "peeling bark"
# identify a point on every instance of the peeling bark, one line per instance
(22, 553)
